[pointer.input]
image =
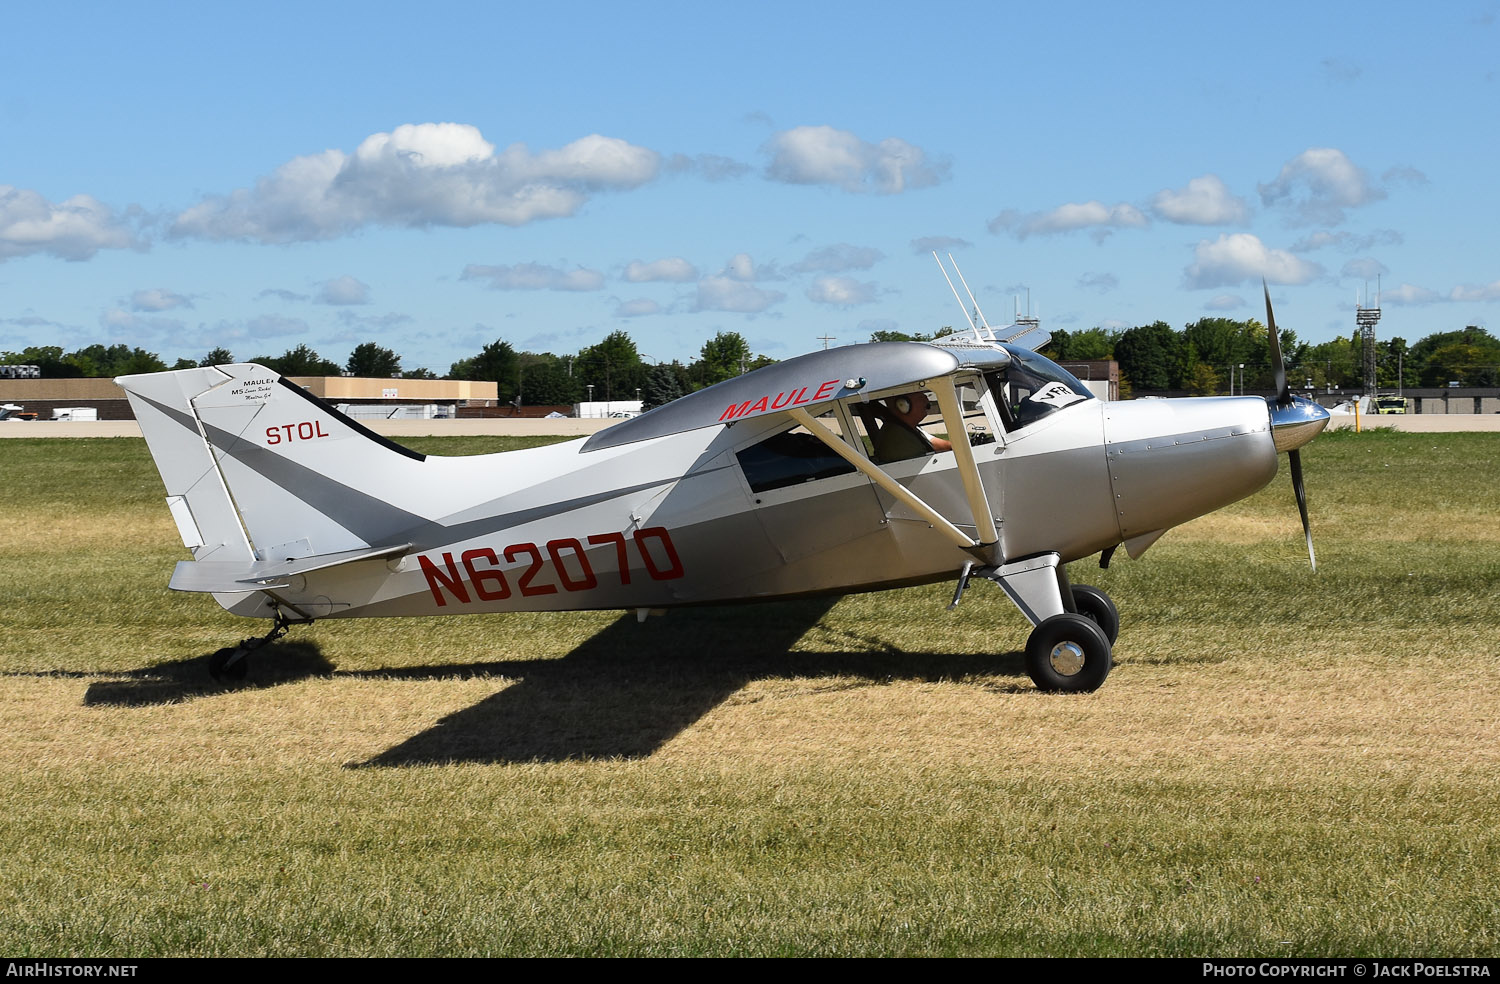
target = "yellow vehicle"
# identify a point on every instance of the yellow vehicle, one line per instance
(1388, 404)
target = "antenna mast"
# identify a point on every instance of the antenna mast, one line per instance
(1366, 318)
(973, 322)
(1030, 321)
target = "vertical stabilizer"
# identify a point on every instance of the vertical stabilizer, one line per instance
(196, 494)
(255, 465)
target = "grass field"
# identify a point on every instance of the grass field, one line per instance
(1281, 764)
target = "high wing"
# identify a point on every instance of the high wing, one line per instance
(805, 382)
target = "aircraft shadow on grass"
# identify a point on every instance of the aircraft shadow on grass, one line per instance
(184, 679)
(623, 693)
(632, 687)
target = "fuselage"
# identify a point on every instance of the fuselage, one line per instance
(676, 520)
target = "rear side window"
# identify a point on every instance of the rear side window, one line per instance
(792, 457)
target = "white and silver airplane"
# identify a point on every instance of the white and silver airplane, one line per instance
(814, 476)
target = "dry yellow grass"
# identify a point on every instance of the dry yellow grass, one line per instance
(1278, 756)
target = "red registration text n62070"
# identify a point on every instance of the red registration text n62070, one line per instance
(562, 564)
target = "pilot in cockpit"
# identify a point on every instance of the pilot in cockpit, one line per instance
(895, 428)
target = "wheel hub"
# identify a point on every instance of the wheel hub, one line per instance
(1067, 658)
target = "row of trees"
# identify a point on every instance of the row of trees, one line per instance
(613, 369)
(1201, 357)
(1154, 358)
(122, 360)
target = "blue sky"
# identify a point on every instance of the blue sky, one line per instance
(433, 177)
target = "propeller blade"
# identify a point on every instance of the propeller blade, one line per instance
(1294, 422)
(1278, 367)
(1295, 457)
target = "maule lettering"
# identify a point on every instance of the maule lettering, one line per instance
(786, 398)
(252, 387)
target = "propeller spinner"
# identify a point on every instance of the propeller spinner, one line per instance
(1294, 422)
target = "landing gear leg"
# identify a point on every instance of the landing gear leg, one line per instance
(233, 662)
(1069, 649)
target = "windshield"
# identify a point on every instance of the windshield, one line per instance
(1033, 387)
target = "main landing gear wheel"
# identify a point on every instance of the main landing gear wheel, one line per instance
(1095, 605)
(1068, 653)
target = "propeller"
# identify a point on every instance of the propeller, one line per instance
(1294, 422)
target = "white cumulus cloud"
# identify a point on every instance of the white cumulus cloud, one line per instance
(75, 229)
(1409, 294)
(373, 322)
(1317, 185)
(1476, 292)
(1102, 218)
(1347, 242)
(273, 326)
(730, 294)
(423, 174)
(1237, 257)
(636, 308)
(1365, 268)
(343, 290)
(742, 267)
(1225, 302)
(828, 156)
(938, 244)
(843, 291)
(1205, 201)
(673, 269)
(837, 258)
(281, 294)
(534, 276)
(158, 299)
(122, 322)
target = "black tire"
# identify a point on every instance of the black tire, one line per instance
(1068, 653)
(220, 667)
(1095, 604)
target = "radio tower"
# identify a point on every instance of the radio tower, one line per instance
(1366, 318)
(1029, 321)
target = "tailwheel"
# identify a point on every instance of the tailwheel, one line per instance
(1095, 605)
(230, 663)
(1068, 653)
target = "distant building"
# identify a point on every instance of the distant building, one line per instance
(1101, 376)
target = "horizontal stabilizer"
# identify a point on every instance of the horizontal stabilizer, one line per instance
(230, 577)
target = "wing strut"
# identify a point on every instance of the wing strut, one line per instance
(968, 469)
(880, 478)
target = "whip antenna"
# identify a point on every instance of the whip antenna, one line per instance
(982, 319)
(967, 316)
